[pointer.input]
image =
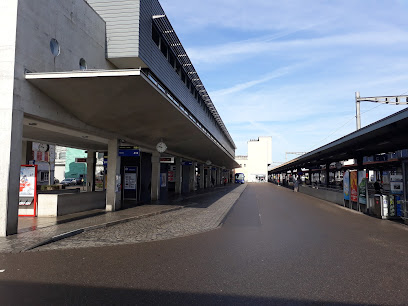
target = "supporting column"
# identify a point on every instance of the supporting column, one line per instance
(327, 175)
(11, 124)
(113, 192)
(193, 177)
(202, 176)
(155, 184)
(179, 175)
(90, 171)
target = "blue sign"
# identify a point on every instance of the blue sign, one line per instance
(187, 163)
(131, 169)
(129, 151)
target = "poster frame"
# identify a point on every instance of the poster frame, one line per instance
(35, 189)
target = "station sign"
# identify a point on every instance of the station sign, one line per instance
(167, 160)
(129, 151)
(186, 163)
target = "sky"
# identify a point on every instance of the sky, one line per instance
(290, 68)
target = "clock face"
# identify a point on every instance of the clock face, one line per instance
(161, 147)
(43, 147)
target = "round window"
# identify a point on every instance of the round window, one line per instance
(54, 46)
(82, 64)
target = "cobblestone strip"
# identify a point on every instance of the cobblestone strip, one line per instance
(201, 216)
(29, 240)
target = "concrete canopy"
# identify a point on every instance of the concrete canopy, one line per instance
(127, 103)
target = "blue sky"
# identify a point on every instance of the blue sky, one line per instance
(290, 68)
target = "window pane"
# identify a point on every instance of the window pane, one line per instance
(163, 48)
(155, 36)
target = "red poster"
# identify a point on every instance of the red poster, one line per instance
(353, 186)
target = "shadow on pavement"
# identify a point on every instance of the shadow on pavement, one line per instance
(25, 293)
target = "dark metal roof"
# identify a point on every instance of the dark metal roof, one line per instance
(386, 135)
(167, 31)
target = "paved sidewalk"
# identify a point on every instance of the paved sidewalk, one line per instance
(43, 236)
(205, 214)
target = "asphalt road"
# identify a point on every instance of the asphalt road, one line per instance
(276, 247)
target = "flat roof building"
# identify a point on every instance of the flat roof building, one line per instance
(98, 75)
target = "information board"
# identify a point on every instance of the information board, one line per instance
(362, 187)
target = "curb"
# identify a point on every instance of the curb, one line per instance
(125, 220)
(98, 226)
(226, 214)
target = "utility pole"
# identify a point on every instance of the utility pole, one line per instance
(393, 100)
(358, 115)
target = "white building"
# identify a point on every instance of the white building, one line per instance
(255, 165)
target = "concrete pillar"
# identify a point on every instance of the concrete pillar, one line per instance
(193, 178)
(90, 171)
(327, 175)
(155, 184)
(179, 175)
(202, 176)
(11, 123)
(113, 195)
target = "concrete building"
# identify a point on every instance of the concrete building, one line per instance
(255, 165)
(98, 75)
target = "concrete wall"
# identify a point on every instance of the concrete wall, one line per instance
(324, 194)
(259, 156)
(10, 114)
(52, 205)
(80, 32)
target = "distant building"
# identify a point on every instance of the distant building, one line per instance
(255, 165)
(66, 167)
(44, 159)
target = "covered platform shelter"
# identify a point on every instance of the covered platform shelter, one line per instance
(138, 100)
(133, 104)
(378, 152)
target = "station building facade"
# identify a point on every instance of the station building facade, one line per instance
(105, 76)
(255, 165)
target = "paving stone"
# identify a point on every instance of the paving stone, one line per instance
(201, 216)
(203, 211)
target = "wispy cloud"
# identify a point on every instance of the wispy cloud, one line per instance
(278, 68)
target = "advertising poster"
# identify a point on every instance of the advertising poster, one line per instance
(27, 182)
(392, 207)
(163, 180)
(353, 186)
(28, 191)
(171, 176)
(396, 183)
(362, 186)
(346, 185)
